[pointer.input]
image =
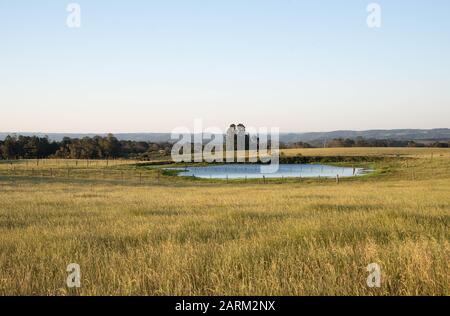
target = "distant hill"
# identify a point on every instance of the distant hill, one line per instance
(146, 137)
(394, 134)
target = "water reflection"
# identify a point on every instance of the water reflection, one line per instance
(253, 171)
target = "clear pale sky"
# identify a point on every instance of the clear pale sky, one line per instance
(150, 66)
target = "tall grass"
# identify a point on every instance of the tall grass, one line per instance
(212, 238)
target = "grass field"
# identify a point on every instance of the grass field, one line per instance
(136, 231)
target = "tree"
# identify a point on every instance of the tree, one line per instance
(10, 148)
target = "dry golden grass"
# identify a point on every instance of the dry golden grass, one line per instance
(385, 151)
(184, 237)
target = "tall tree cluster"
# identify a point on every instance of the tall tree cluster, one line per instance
(14, 147)
(109, 147)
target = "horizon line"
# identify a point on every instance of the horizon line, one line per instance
(290, 132)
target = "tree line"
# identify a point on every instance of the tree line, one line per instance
(109, 147)
(363, 142)
(98, 147)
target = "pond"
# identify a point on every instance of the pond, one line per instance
(253, 171)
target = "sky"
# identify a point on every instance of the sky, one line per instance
(153, 66)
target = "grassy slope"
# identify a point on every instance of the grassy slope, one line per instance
(179, 236)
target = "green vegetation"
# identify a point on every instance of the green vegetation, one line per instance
(109, 147)
(136, 229)
(97, 147)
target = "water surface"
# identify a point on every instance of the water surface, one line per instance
(253, 171)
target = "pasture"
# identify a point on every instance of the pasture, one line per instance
(136, 230)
